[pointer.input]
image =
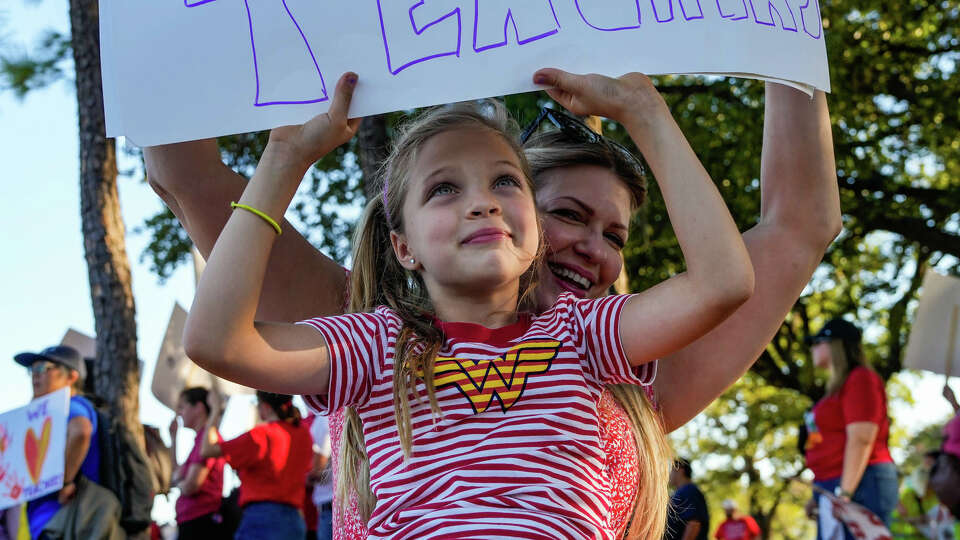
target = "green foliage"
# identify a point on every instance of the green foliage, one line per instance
(21, 72)
(744, 447)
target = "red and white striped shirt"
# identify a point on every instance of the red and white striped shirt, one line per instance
(517, 450)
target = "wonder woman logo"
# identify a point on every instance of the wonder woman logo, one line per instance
(503, 377)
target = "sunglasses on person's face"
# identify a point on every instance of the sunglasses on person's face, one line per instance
(39, 368)
(577, 131)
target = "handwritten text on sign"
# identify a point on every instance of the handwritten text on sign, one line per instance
(210, 67)
(32, 442)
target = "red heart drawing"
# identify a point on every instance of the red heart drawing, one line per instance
(35, 449)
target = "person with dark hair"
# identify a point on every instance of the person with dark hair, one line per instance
(847, 444)
(199, 479)
(53, 369)
(688, 517)
(272, 461)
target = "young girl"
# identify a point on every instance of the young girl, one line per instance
(506, 442)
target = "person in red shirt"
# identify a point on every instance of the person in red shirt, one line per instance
(736, 526)
(848, 428)
(272, 461)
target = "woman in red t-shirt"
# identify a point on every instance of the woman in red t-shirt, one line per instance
(200, 479)
(272, 461)
(848, 428)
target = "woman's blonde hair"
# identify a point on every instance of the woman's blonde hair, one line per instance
(378, 279)
(648, 516)
(844, 356)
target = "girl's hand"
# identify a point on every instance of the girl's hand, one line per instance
(629, 97)
(307, 143)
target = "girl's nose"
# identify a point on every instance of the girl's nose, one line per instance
(484, 205)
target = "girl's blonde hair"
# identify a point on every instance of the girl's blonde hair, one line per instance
(648, 517)
(378, 279)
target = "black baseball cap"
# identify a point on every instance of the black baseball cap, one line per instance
(841, 329)
(58, 354)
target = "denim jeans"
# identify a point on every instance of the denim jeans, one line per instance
(325, 522)
(270, 521)
(878, 492)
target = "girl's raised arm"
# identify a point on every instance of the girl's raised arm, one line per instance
(195, 184)
(719, 276)
(221, 335)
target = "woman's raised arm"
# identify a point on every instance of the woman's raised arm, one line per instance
(799, 217)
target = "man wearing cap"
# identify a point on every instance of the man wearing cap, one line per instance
(736, 526)
(848, 428)
(52, 369)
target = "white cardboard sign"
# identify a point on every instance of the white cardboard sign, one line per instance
(33, 440)
(928, 346)
(181, 70)
(175, 371)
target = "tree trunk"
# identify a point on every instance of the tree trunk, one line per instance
(116, 368)
(372, 147)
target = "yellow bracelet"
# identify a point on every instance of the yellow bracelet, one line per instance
(268, 219)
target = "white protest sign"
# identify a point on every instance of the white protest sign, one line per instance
(33, 440)
(175, 371)
(175, 71)
(934, 342)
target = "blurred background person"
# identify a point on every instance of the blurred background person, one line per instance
(736, 526)
(200, 479)
(945, 475)
(848, 428)
(919, 514)
(320, 479)
(53, 369)
(272, 461)
(688, 517)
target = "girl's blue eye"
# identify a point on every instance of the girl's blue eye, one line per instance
(441, 189)
(507, 181)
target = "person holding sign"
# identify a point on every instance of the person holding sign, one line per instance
(847, 447)
(53, 369)
(442, 261)
(799, 217)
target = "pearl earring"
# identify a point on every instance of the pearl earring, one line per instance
(412, 261)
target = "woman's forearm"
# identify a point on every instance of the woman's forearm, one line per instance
(861, 437)
(797, 169)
